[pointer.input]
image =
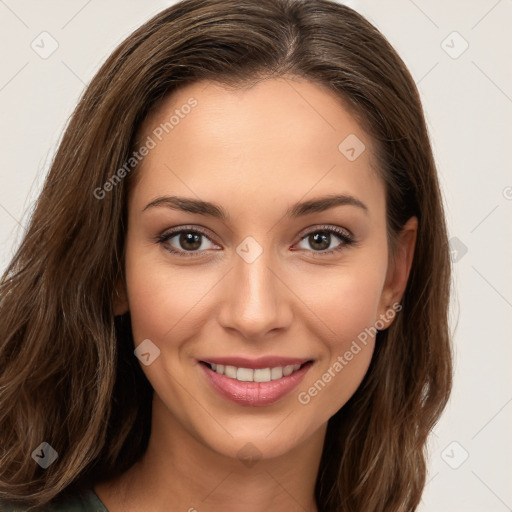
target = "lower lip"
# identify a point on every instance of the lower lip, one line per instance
(254, 393)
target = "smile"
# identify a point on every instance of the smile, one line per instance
(256, 386)
(254, 375)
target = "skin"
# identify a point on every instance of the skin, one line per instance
(255, 151)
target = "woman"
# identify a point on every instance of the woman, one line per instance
(233, 291)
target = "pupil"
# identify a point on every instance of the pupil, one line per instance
(321, 238)
(190, 241)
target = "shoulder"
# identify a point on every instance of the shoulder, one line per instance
(82, 501)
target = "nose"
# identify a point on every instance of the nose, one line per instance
(256, 301)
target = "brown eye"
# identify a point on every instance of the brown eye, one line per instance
(190, 241)
(186, 242)
(323, 241)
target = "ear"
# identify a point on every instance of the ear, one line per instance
(398, 271)
(120, 298)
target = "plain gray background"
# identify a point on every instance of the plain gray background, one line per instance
(459, 54)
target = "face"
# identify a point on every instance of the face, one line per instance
(266, 280)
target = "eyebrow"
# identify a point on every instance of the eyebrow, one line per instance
(214, 210)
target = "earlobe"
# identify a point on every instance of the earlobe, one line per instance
(120, 299)
(399, 268)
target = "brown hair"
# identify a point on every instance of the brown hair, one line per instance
(68, 375)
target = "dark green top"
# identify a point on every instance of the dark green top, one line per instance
(84, 501)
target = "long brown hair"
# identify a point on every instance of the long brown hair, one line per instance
(68, 375)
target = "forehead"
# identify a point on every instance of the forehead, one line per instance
(278, 136)
(262, 108)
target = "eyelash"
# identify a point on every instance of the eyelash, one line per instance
(344, 235)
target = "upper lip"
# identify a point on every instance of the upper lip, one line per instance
(260, 362)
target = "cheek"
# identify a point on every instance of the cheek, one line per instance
(162, 303)
(346, 310)
(345, 300)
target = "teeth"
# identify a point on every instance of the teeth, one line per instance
(245, 375)
(258, 375)
(262, 375)
(276, 373)
(230, 371)
(287, 370)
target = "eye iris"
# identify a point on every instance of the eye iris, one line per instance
(320, 238)
(190, 241)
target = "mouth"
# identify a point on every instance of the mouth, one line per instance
(247, 385)
(242, 374)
